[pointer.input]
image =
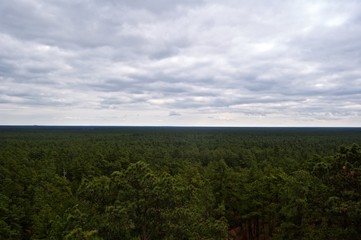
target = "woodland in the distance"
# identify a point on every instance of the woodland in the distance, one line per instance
(180, 183)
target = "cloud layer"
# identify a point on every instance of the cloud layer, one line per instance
(206, 62)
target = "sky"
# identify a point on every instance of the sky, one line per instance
(180, 63)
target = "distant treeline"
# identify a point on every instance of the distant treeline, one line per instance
(180, 183)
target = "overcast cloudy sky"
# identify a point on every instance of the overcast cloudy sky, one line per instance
(190, 62)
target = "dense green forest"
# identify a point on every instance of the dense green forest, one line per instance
(180, 183)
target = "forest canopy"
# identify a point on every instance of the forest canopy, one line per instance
(180, 183)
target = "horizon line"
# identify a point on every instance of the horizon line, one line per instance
(172, 126)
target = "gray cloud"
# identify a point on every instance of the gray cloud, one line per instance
(174, 114)
(217, 62)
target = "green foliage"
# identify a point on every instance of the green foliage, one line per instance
(181, 183)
